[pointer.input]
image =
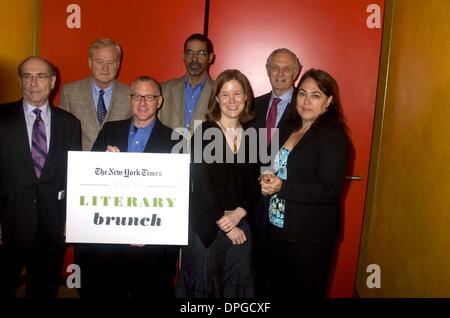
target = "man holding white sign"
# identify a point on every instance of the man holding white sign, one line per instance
(137, 271)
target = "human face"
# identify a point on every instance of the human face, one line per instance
(231, 99)
(144, 111)
(282, 73)
(104, 64)
(311, 101)
(197, 58)
(35, 82)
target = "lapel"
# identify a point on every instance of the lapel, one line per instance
(309, 134)
(284, 117)
(153, 142)
(262, 110)
(202, 105)
(112, 105)
(22, 137)
(122, 135)
(56, 131)
(178, 103)
(91, 113)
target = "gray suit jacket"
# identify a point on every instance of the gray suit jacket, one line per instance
(76, 98)
(172, 112)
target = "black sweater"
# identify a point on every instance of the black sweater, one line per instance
(220, 185)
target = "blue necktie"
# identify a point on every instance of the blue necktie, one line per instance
(38, 143)
(101, 109)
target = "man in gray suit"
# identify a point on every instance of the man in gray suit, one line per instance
(186, 98)
(100, 97)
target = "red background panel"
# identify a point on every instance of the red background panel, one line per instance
(151, 34)
(326, 34)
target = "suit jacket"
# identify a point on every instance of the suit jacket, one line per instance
(316, 169)
(172, 112)
(115, 133)
(76, 98)
(31, 211)
(261, 106)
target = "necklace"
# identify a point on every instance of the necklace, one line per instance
(234, 136)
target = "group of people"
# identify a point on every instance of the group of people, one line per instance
(257, 228)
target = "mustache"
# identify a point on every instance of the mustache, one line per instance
(195, 64)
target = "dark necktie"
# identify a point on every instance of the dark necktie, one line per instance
(38, 143)
(271, 120)
(101, 109)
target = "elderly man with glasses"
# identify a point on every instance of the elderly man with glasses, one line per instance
(34, 140)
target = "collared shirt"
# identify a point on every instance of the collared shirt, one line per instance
(138, 137)
(30, 118)
(106, 96)
(285, 100)
(191, 98)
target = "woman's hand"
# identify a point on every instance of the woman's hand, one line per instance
(237, 236)
(231, 219)
(112, 149)
(270, 183)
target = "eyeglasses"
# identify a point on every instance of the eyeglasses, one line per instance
(200, 54)
(39, 77)
(148, 98)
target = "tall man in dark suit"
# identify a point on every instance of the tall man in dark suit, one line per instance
(34, 140)
(272, 109)
(121, 271)
(99, 98)
(186, 98)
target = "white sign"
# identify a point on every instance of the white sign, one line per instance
(129, 198)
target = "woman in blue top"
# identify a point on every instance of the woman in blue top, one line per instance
(303, 193)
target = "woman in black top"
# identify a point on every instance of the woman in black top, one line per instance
(303, 195)
(216, 263)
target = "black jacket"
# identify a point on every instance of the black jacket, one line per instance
(217, 187)
(30, 209)
(316, 169)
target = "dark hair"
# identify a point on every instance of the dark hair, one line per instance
(51, 68)
(213, 105)
(202, 38)
(145, 78)
(328, 85)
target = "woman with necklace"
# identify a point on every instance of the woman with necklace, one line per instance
(303, 194)
(224, 188)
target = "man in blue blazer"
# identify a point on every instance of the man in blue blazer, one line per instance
(34, 140)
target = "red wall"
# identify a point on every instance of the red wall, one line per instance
(151, 34)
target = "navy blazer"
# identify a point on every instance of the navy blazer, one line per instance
(32, 210)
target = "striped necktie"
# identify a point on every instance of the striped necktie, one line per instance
(271, 121)
(38, 143)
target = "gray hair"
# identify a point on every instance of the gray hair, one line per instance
(105, 42)
(297, 63)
